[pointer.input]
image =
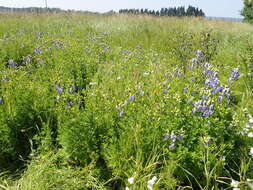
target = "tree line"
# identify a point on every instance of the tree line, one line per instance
(31, 9)
(175, 11)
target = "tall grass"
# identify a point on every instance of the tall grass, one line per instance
(122, 101)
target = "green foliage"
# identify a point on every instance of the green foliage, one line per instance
(247, 12)
(87, 102)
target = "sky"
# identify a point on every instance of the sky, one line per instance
(217, 8)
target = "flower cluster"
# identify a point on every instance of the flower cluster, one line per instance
(131, 99)
(173, 139)
(248, 130)
(205, 107)
(195, 62)
(151, 182)
(59, 89)
(234, 75)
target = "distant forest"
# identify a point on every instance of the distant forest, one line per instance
(30, 9)
(175, 11)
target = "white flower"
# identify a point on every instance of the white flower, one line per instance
(127, 188)
(236, 188)
(251, 151)
(234, 184)
(250, 134)
(251, 120)
(151, 182)
(131, 180)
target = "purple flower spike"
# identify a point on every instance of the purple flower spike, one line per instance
(198, 54)
(1, 100)
(59, 89)
(180, 137)
(173, 138)
(234, 75)
(132, 98)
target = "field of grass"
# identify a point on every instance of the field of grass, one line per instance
(125, 102)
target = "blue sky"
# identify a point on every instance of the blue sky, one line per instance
(219, 8)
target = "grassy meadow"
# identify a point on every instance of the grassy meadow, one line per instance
(113, 102)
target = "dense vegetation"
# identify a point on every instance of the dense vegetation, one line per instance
(175, 11)
(125, 102)
(247, 11)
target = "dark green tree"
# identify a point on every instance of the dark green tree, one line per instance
(247, 11)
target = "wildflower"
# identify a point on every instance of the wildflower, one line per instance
(166, 137)
(58, 98)
(132, 98)
(151, 182)
(172, 146)
(251, 120)
(165, 92)
(37, 50)
(131, 180)
(173, 138)
(1, 100)
(72, 89)
(213, 82)
(234, 75)
(251, 151)
(70, 105)
(199, 54)
(180, 137)
(127, 188)
(146, 73)
(194, 62)
(59, 89)
(204, 107)
(121, 113)
(11, 63)
(141, 93)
